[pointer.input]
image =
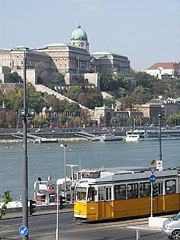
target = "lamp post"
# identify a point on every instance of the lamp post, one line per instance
(65, 161)
(25, 160)
(160, 152)
(57, 219)
(23, 113)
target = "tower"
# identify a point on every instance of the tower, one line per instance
(79, 38)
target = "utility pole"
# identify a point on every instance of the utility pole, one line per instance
(25, 160)
(160, 150)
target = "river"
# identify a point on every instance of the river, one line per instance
(49, 158)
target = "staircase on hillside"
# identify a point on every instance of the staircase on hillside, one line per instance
(44, 89)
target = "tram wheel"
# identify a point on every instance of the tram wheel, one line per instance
(176, 235)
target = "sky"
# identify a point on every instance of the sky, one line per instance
(146, 31)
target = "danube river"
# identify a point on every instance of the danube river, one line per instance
(49, 158)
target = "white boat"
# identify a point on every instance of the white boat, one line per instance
(151, 135)
(133, 136)
(110, 137)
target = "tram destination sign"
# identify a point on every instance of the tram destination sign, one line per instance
(152, 178)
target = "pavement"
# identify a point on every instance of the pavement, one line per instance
(18, 214)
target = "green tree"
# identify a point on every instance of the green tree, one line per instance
(173, 120)
(72, 109)
(77, 79)
(73, 92)
(130, 121)
(13, 78)
(108, 83)
(109, 102)
(94, 98)
(58, 79)
(6, 199)
(114, 121)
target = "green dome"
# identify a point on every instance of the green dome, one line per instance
(79, 34)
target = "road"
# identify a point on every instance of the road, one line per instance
(44, 227)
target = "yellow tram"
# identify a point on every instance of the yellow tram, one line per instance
(127, 193)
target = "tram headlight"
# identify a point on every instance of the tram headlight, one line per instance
(79, 211)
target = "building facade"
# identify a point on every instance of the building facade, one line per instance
(72, 58)
(164, 70)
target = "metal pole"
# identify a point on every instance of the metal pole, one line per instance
(65, 161)
(160, 152)
(57, 222)
(25, 160)
(151, 200)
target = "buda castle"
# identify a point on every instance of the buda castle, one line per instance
(69, 59)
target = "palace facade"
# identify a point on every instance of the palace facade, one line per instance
(68, 59)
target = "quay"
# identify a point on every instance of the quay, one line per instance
(55, 135)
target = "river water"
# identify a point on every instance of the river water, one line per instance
(49, 158)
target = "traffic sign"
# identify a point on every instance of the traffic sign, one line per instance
(153, 162)
(23, 230)
(152, 169)
(159, 165)
(152, 178)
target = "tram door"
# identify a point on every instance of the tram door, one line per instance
(160, 197)
(104, 196)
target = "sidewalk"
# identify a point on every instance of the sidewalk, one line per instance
(13, 214)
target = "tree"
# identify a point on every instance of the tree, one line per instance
(173, 120)
(58, 79)
(114, 121)
(107, 83)
(77, 79)
(121, 92)
(130, 121)
(82, 98)
(94, 98)
(73, 92)
(13, 78)
(72, 109)
(6, 199)
(109, 102)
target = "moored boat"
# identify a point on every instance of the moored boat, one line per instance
(151, 135)
(110, 137)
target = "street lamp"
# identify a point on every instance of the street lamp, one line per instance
(24, 114)
(160, 152)
(25, 160)
(65, 161)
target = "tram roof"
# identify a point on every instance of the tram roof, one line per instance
(132, 175)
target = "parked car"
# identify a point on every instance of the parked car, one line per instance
(171, 227)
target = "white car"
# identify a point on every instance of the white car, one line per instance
(171, 227)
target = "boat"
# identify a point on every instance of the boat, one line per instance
(110, 137)
(151, 135)
(133, 136)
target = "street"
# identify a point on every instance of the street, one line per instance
(44, 227)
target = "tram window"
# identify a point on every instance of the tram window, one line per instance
(170, 186)
(145, 189)
(132, 190)
(160, 187)
(101, 194)
(91, 194)
(108, 193)
(120, 192)
(81, 193)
